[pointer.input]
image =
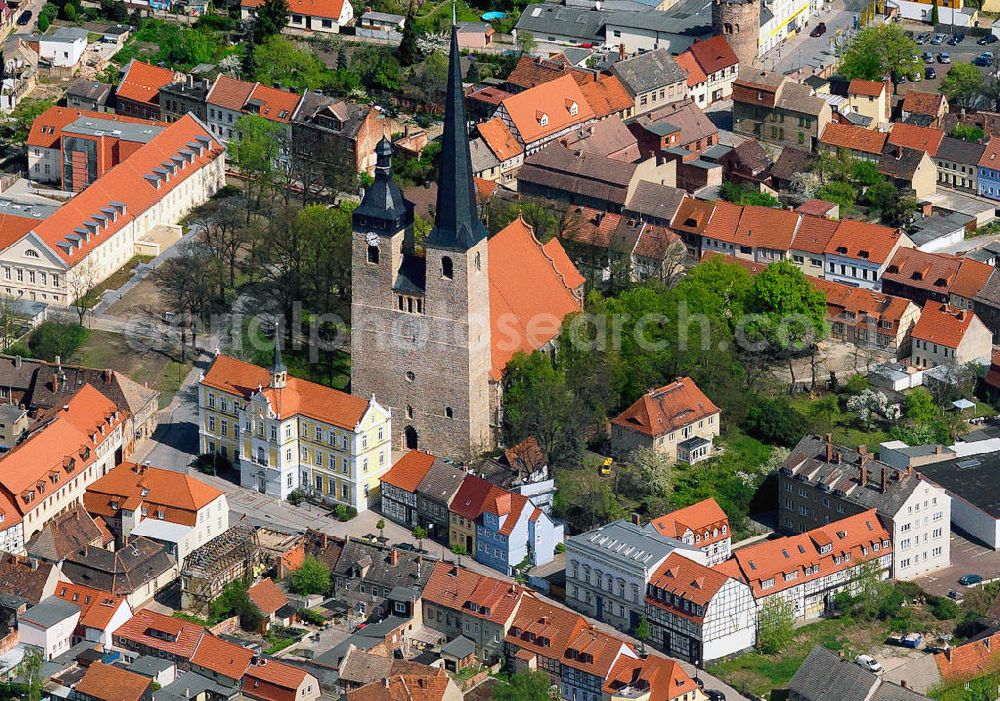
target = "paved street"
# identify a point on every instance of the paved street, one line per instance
(967, 557)
(806, 53)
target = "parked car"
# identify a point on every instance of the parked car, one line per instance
(957, 39)
(988, 39)
(912, 640)
(928, 57)
(930, 73)
(715, 695)
(819, 30)
(868, 662)
(938, 40)
(605, 468)
(967, 580)
(983, 59)
(24, 18)
(954, 595)
(944, 57)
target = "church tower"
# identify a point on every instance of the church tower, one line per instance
(279, 372)
(420, 324)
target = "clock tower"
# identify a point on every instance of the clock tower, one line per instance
(420, 321)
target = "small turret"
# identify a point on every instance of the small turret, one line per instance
(279, 372)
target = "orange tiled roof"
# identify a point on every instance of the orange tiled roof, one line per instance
(666, 679)
(693, 216)
(802, 557)
(109, 683)
(919, 102)
(554, 250)
(46, 130)
(855, 239)
(687, 579)
(177, 496)
(689, 65)
(973, 659)
(525, 282)
(854, 138)
(991, 156)
(432, 685)
(222, 657)
(97, 607)
(472, 594)
(607, 96)
(942, 324)
(548, 108)
(971, 278)
(701, 518)
(142, 82)
(920, 138)
(127, 184)
(589, 226)
(667, 409)
(273, 104)
(531, 71)
(470, 497)
(164, 633)
(498, 137)
(268, 596)
(229, 93)
(860, 303)
(13, 228)
(329, 9)
(272, 680)
(713, 55)
(814, 234)
(297, 397)
(869, 88)
(409, 470)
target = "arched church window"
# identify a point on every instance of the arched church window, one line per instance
(447, 268)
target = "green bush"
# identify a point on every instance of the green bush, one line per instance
(310, 616)
(313, 577)
(344, 513)
(857, 384)
(54, 338)
(235, 601)
(775, 421)
(944, 609)
(296, 497)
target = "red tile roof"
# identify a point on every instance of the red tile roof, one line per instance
(687, 579)
(271, 680)
(498, 137)
(268, 596)
(607, 96)
(705, 519)
(551, 103)
(693, 216)
(815, 208)
(127, 183)
(942, 324)
(409, 470)
(926, 103)
(329, 9)
(142, 82)
(970, 660)
(109, 683)
(937, 271)
(297, 397)
(713, 55)
(861, 303)
(667, 409)
(170, 635)
(46, 130)
(814, 234)
(920, 138)
(991, 156)
(273, 104)
(862, 240)
(222, 657)
(97, 607)
(571, 276)
(178, 497)
(801, 556)
(472, 594)
(530, 71)
(589, 226)
(869, 88)
(666, 679)
(469, 499)
(432, 685)
(229, 93)
(854, 138)
(689, 65)
(526, 284)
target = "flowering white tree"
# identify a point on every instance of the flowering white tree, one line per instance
(871, 406)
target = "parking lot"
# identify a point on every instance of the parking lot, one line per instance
(963, 52)
(967, 557)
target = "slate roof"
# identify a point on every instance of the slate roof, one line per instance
(900, 162)
(441, 482)
(121, 572)
(642, 547)
(824, 676)
(791, 161)
(411, 569)
(18, 577)
(64, 534)
(655, 200)
(545, 19)
(649, 71)
(559, 168)
(49, 612)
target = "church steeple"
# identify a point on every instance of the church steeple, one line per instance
(383, 209)
(457, 225)
(279, 373)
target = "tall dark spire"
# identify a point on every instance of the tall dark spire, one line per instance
(457, 226)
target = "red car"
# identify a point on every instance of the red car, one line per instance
(819, 30)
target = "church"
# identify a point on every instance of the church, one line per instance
(432, 330)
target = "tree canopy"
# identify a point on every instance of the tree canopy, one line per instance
(313, 577)
(962, 83)
(878, 52)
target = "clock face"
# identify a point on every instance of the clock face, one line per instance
(372, 238)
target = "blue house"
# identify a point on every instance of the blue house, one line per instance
(989, 170)
(510, 528)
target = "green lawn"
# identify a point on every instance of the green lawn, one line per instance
(842, 424)
(113, 282)
(107, 349)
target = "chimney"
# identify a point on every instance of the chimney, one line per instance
(636, 520)
(986, 642)
(862, 474)
(938, 449)
(903, 683)
(106, 375)
(17, 361)
(836, 457)
(829, 447)
(394, 557)
(621, 52)
(863, 453)
(55, 382)
(885, 480)
(947, 653)
(58, 362)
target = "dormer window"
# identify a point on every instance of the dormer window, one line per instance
(543, 119)
(572, 108)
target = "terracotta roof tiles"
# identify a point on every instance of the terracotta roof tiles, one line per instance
(667, 409)
(328, 9)
(702, 518)
(222, 657)
(164, 633)
(942, 324)
(409, 470)
(498, 137)
(472, 594)
(919, 102)
(713, 55)
(854, 138)
(142, 82)
(97, 607)
(869, 88)
(970, 660)
(268, 596)
(547, 109)
(920, 138)
(168, 495)
(607, 96)
(854, 239)
(109, 683)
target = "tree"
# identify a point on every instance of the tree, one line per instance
(642, 632)
(31, 671)
(872, 406)
(647, 473)
(838, 192)
(526, 42)
(894, 209)
(272, 17)
(10, 324)
(935, 14)
(81, 281)
(53, 340)
(738, 194)
(409, 52)
(776, 421)
(967, 132)
(419, 532)
(187, 283)
(380, 526)
(235, 601)
(962, 83)
(775, 626)
(523, 686)
(920, 406)
(880, 51)
(254, 152)
(24, 115)
(313, 577)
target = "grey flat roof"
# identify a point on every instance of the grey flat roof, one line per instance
(28, 210)
(91, 126)
(148, 665)
(50, 611)
(931, 228)
(628, 542)
(461, 647)
(573, 22)
(976, 479)
(383, 17)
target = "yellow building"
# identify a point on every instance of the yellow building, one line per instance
(284, 433)
(870, 98)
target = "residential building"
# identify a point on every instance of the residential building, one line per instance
(807, 570)
(968, 478)
(105, 682)
(808, 247)
(703, 525)
(609, 138)
(928, 107)
(544, 113)
(138, 92)
(286, 433)
(307, 17)
(608, 97)
(929, 139)
(697, 613)
(269, 598)
(957, 163)
(711, 67)
(158, 635)
(431, 683)
(531, 70)
(137, 572)
(824, 671)
(870, 98)
(607, 570)
(180, 511)
(399, 488)
(63, 47)
(381, 25)
(461, 274)
(650, 677)
(989, 170)
(71, 530)
(776, 109)
(91, 95)
(507, 152)
(939, 277)
(459, 602)
(946, 335)
(754, 233)
(858, 142)
(869, 319)
(49, 626)
(556, 27)
(474, 35)
(328, 132)
(821, 483)
(679, 125)
(378, 580)
(29, 580)
(511, 532)
(790, 162)
(652, 78)
(233, 555)
(911, 170)
(97, 232)
(435, 493)
(466, 508)
(228, 99)
(859, 253)
(101, 612)
(188, 95)
(676, 420)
